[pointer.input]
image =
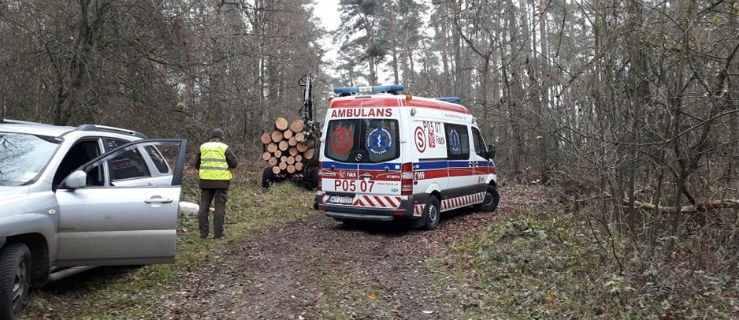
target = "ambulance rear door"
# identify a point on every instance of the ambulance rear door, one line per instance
(362, 164)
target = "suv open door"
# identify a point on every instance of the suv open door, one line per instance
(105, 222)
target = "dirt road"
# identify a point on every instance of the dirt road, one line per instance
(316, 268)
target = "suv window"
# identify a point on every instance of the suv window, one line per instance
(362, 140)
(23, 157)
(479, 143)
(458, 141)
(80, 153)
(157, 159)
(112, 143)
(130, 164)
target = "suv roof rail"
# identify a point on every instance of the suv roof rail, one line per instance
(17, 121)
(97, 127)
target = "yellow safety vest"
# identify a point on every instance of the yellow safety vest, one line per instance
(213, 165)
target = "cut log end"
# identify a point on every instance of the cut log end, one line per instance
(265, 138)
(297, 126)
(281, 124)
(284, 145)
(300, 136)
(308, 154)
(302, 147)
(276, 136)
(271, 147)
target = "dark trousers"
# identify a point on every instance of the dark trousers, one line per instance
(206, 197)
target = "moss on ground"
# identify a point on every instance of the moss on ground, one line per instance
(547, 264)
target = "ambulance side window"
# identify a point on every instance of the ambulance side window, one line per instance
(458, 141)
(478, 142)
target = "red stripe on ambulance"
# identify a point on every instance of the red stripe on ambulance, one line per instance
(359, 102)
(395, 101)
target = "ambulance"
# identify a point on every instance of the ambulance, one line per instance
(387, 156)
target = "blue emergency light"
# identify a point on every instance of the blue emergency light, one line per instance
(346, 91)
(450, 99)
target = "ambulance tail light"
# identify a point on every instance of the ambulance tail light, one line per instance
(406, 179)
(320, 176)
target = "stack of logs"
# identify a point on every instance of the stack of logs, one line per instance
(286, 148)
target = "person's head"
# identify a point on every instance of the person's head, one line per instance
(216, 133)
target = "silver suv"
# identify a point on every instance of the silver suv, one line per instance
(82, 196)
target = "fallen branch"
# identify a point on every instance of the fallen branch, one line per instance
(711, 204)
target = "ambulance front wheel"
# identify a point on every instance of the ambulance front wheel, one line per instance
(431, 215)
(492, 197)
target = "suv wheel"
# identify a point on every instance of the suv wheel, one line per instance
(15, 279)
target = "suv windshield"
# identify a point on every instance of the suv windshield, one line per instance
(362, 140)
(23, 157)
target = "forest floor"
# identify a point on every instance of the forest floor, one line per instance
(280, 259)
(316, 268)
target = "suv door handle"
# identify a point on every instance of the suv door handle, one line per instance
(158, 200)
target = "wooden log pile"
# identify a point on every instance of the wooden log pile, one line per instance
(286, 148)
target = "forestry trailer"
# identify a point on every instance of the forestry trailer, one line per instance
(290, 150)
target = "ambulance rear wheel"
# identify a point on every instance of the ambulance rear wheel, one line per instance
(431, 215)
(492, 197)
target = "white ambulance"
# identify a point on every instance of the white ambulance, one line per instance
(386, 156)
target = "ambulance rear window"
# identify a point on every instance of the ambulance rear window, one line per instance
(362, 140)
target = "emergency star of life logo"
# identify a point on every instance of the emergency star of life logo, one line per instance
(379, 141)
(420, 139)
(454, 141)
(341, 141)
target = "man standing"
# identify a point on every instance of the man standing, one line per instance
(214, 162)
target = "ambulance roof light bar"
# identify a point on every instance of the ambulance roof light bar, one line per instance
(450, 99)
(347, 91)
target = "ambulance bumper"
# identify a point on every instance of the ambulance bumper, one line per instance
(364, 216)
(342, 212)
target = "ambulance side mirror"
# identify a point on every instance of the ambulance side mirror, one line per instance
(491, 151)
